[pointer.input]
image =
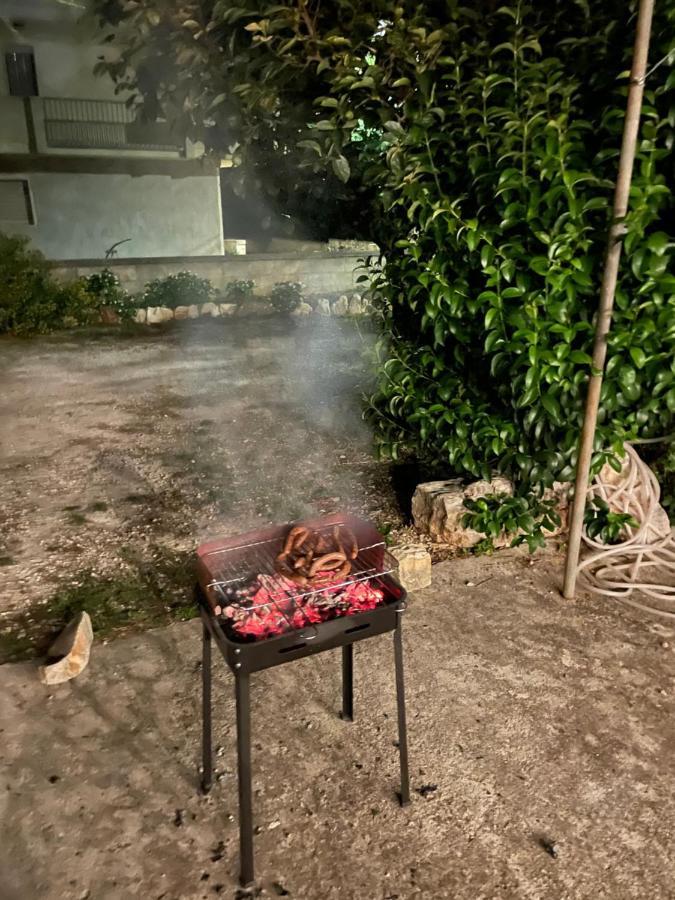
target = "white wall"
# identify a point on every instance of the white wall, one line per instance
(65, 56)
(65, 68)
(13, 131)
(79, 216)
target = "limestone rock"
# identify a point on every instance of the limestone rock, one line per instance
(158, 314)
(445, 524)
(227, 309)
(498, 485)
(438, 509)
(302, 309)
(140, 316)
(73, 646)
(560, 492)
(356, 305)
(255, 306)
(209, 309)
(180, 312)
(193, 311)
(323, 306)
(341, 306)
(425, 496)
(414, 566)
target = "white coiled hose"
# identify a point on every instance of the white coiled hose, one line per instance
(640, 570)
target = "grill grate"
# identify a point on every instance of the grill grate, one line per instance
(233, 566)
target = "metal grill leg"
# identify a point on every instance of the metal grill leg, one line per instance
(404, 796)
(348, 683)
(207, 754)
(242, 692)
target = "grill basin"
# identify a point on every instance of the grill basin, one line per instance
(231, 562)
(221, 565)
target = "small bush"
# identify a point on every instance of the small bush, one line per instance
(31, 301)
(77, 305)
(605, 526)
(286, 296)
(182, 289)
(524, 519)
(24, 277)
(106, 288)
(238, 292)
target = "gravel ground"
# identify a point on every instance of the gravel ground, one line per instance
(541, 742)
(118, 449)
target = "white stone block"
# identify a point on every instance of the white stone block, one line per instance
(341, 306)
(209, 309)
(234, 247)
(414, 566)
(356, 307)
(158, 314)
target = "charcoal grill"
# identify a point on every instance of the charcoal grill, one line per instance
(225, 563)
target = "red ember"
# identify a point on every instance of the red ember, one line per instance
(277, 606)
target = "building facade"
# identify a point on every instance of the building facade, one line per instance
(80, 173)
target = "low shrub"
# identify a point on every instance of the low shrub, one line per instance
(181, 289)
(523, 519)
(77, 305)
(31, 301)
(106, 288)
(24, 278)
(605, 526)
(286, 296)
(238, 292)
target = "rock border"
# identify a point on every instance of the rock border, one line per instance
(344, 306)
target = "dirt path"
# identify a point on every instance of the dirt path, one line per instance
(541, 741)
(120, 453)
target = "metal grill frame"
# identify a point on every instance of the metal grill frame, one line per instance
(245, 658)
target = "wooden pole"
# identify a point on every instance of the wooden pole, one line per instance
(608, 288)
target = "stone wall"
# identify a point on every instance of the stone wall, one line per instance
(320, 273)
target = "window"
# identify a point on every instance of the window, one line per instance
(21, 74)
(16, 203)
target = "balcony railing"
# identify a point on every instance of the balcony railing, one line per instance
(102, 125)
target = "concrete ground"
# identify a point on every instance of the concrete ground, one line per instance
(541, 742)
(541, 733)
(119, 453)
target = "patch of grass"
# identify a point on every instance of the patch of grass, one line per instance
(6, 561)
(16, 645)
(76, 518)
(181, 457)
(98, 506)
(152, 592)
